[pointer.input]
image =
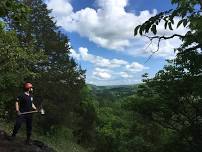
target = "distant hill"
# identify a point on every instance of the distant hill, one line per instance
(112, 93)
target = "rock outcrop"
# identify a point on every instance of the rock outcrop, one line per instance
(18, 145)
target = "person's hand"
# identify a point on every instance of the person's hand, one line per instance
(35, 109)
(18, 113)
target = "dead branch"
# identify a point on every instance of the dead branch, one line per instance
(165, 37)
(151, 38)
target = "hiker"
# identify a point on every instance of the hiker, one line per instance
(24, 103)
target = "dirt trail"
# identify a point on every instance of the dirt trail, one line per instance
(18, 145)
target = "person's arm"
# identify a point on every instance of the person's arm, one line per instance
(34, 107)
(17, 107)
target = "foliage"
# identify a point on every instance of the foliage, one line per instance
(86, 120)
(110, 130)
(61, 79)
(12, 9)
(172, 98)
(33, 49)
(16, 62)
(111, 93)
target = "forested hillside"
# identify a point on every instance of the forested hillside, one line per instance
(34, 50)
(161, 114)
(112, 93)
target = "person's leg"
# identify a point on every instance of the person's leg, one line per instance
(17, 125)
(29, 128)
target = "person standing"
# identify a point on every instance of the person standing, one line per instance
(24, 103)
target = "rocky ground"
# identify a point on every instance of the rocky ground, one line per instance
(18, 145)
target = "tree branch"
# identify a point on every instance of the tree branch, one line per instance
(159, 40)
(165, 37)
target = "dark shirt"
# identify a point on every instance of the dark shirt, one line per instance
(25, 102)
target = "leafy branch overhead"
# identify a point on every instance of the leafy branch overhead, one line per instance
(188, 14)
(172, 99)
(14, 10)
(185, 11)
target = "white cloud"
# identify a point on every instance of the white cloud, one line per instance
(61, 8)
(101, 62)
(102, 74)
(135, 67)
(98, 60)
(74, 54)
(113, 6)
(108, 69)
(125, 75)
(111, 26)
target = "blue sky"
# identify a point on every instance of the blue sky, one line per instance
(101, 35)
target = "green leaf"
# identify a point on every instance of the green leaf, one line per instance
(170, 26)
(140, 31)
(2, 25)
(153, 29)
(172, 21)
(166, 24)
(147, 28)
(185, 22)
(179, 23)
(157, 22)
(142, 28)
(136, 30)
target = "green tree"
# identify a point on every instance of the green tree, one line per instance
(16, 62)
(85, 130)
(112, 128)
(172, 98)
(13, 9)
(61, 78)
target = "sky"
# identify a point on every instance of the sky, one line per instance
(102, 39)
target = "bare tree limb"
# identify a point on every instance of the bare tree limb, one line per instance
(151, 38)
(165, 37)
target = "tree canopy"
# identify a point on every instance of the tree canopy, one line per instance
(172, 98)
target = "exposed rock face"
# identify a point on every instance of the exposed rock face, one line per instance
(18, 145)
